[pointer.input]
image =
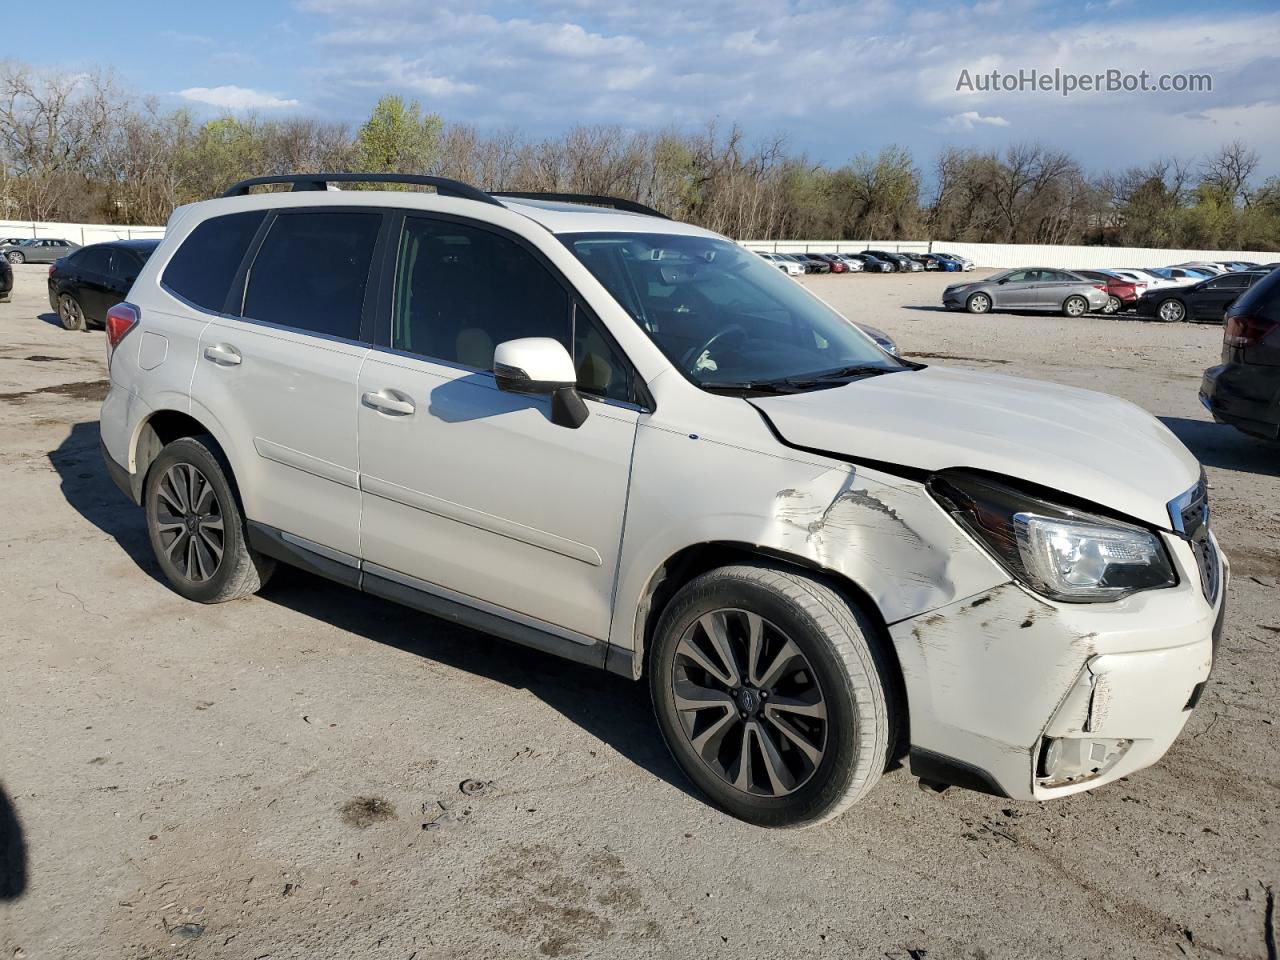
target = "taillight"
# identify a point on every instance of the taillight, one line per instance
(1246, 329)
(52, 267)
(121, 318)
(1100, 286)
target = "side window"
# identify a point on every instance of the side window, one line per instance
(460, 291)
(312, 270)
(602, 369)
(202, 269)
(1019, 276)
(94, 260)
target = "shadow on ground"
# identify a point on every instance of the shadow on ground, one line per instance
(612, 708)
(13, 851)
(1220, 445)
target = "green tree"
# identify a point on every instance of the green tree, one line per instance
(399, 138)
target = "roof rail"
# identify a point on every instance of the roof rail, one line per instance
(618, 203)
(320, 181)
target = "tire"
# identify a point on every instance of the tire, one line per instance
(835, 665)
(1171, 311)
(70, 313)
(236, 571)
(978, 303)
(1075, 307)
(16, 256)
(1113, 306)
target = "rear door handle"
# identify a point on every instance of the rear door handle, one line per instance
(223, 355)
(384, 403)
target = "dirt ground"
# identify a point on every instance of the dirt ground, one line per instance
(313, 773)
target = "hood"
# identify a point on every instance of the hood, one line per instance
(1086, 444)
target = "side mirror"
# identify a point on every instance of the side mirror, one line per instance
(541, 366)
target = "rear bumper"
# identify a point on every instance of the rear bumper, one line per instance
(1244, 396)
(119, 475)
(994, 681)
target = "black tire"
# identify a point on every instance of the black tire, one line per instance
(837, 643)
(978, 303)
(1075, 307)
(71, 313)
(1113, 306)
(239, 571)
(16, 256)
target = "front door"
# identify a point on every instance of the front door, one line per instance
(471, 492)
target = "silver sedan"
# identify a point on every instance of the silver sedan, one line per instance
(40, 250)
(1032, 288)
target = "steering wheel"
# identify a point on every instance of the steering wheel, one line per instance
(693, 356)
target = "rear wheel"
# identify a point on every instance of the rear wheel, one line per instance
(1171, 311)
(70, 313)
(978, 303)
(1112, 307)
(196, 526)
(771, 694)
(1075, 306)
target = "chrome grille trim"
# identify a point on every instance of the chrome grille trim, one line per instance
(1189, 517)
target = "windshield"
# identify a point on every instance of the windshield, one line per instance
(722, 315)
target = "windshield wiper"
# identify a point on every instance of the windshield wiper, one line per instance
(750, 386)
(842, 375)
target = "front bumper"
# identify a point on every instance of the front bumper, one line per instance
(993, 679)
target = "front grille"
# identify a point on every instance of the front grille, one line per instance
(1189, 514)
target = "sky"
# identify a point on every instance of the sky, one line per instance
(835, 78)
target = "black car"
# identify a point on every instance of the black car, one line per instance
(85, 285)
(1244, 390)
(6, 279)
(1206, 300)
(871, 264)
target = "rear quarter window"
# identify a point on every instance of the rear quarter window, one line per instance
(1262, 299)
(202, 269)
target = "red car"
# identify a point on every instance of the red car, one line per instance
(1121, 294)
(837, 265)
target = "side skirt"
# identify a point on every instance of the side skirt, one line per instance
(377, 581)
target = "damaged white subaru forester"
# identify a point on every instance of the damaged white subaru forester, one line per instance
(577, 425)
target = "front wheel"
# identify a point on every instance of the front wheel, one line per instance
(1075, 307)
(197, 529)
(772, 695)
(978, 303)
(1112, 307)
(16, 256)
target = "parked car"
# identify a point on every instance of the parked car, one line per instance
(788, 266)
(6, 279)
(837, 265)
(926, 262)
(1033, 288)
(886, 342)
(901, 262)
(12, 241)
(852, 262)
(42, 250)
(964, 263)
(1244, 390)
(816, 263)
(809, 547)
(85, 285)
(940, 262)
(1121, 294)
(1213, 269)
(872, 264)
(1206, 300)
(1183, 274)
(1152, 279)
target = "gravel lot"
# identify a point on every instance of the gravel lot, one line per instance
(282, 777)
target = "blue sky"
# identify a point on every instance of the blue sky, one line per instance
(836, 78)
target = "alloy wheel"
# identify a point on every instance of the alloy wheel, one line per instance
(69, 312)
(1113, 306)
(979, 303)
(13, 256)
(749, 703)
(1076, 307)
(189, 522)
(1171, 311)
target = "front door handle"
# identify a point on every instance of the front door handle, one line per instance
(383, 403)
(223, 354)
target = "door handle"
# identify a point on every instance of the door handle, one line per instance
(383, 403)
(222, 354)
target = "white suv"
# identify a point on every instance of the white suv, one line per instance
(630, 442)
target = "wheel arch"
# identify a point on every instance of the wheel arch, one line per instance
(695, 559)
(154, 432)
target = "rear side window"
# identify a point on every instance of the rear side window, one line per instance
(206, 263)
(312, 270)
(1262, 299)
(94, 260)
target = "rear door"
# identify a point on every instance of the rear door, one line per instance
(90, 271)
(279, 369)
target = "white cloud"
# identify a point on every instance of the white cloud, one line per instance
(235, 98)
(972, 118)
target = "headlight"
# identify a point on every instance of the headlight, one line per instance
(1059, 552)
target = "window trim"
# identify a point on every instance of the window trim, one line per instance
(381, 326)
(235, 275)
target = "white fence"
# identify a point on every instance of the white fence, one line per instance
(81, 233)
(1021, 255)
